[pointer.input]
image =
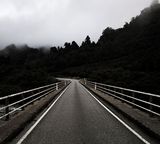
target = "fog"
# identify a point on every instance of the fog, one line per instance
(53, 22)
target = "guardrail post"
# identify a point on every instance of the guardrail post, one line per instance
(56, 86)
(7, 108)
(65, 83)
(95, 86)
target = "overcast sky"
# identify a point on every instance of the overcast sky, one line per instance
(53, 22)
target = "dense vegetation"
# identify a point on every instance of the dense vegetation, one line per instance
(127, 57)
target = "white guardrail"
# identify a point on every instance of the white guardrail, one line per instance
(145, 101)
(13, 103)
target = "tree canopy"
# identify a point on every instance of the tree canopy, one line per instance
(128, 56)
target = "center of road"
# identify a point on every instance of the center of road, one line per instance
(78, 117)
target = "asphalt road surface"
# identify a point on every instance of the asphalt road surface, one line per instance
(77, 118)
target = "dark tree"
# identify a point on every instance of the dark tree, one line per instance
(74, 45)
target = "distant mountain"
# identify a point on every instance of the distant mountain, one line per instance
(128, 57)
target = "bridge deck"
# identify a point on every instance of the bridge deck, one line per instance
(77, 118)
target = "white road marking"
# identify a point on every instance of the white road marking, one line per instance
(37, 122)
(122, 122)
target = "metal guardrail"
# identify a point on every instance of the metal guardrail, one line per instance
(13, 103)
(142, 100)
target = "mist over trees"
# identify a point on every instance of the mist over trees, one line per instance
(127, 57)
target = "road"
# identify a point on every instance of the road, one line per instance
(77, 118)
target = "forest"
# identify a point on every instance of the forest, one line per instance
(127, 57)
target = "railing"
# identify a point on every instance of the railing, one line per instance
(145, 101)
(13, 103)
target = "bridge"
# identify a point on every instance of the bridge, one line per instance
(80, 112)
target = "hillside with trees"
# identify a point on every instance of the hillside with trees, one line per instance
(127, 57)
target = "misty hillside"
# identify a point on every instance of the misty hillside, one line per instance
(128, 57)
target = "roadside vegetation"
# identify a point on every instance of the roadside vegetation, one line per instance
(127, 57)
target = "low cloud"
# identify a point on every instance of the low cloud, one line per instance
(53, 22)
